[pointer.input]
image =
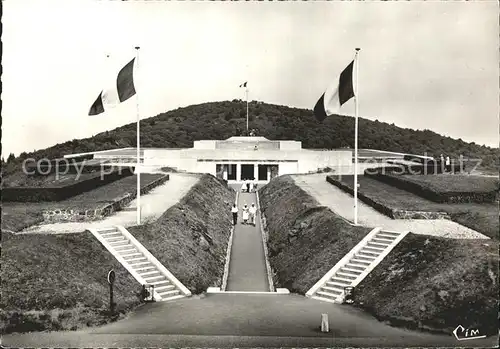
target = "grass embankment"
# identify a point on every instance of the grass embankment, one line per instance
(305, 239)
(426, 282)
(20, 179)
(435, 283)
(190, 239)
(482, 218)
(58, 282)
(17, 216)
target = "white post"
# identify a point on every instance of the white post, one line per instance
(246, 90)
(356, 111)
(137, 171)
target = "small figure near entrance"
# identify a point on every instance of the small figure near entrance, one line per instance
(244, 186)
(245, 214)
(250, 186)
(234, 211)
(253, 213)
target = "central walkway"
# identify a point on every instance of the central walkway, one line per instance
(247, 266)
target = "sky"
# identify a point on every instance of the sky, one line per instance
(422, 65)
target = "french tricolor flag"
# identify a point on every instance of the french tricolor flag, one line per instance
(119, 91)
(335, 95)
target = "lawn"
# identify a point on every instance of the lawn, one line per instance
(17, 216)
(454, 183)
(20, 179)
(483, 218)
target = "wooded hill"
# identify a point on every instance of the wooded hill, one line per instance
(220, 120)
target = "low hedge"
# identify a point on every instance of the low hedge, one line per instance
(58, 193)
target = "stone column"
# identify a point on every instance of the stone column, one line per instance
(238, 172)
(256, 172)
(268, 177)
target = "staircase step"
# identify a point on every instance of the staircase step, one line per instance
(373, 249)
(163, 288)
(355, 267)
(126, 249)
(345, 276)
(136, 259)
(377, 245)
(386, 237)
(329, 300)
(115, 239)
(152, 272)
(109, 230)
(364, 258)
(120, 243)
(159, 277)
(131, 255)
(381, 241)
(173, 297)
(368, 253)
(391, 233)
(359, 262)
(333, 296)
(347, 270)
(160, 283)
(166, 294)
(339, 282)
(333, 286)
(142, 265)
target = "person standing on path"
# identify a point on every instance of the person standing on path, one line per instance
(248, 185)
(234, 211)
(253, 213)
(245, 214)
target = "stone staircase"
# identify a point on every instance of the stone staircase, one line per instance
(355, 265)
(140, 263)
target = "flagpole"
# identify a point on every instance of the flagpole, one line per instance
(356, 111)
(246, 90)
(137, 171)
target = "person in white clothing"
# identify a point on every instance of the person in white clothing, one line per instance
(245, 214)
(243, 187)
(253, 213)
(251, 186)
(234, 211)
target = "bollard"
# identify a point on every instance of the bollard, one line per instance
(324, 323)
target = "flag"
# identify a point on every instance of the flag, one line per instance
(124, 89)
(244, 84)
(337, 94)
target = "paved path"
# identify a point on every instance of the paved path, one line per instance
(247, 266)
(237, 320)
(341, 203)
(153, 204)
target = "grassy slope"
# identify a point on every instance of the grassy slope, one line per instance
(17, 216)
(437, 283)
(423, 279)
(322, 238)
(205, 210)
(480, 217)
(43, 272)
(59, 281)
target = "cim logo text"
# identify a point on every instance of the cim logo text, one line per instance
(462, 333)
